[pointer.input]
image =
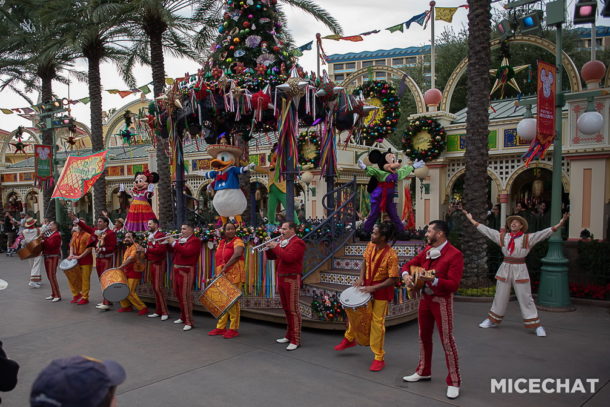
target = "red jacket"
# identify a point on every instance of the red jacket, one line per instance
(449, 269)
(289, 258)
(187, 254)
(52, 244)
(156, 252)
(109, 245)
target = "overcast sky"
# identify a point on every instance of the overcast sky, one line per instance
(355, 16)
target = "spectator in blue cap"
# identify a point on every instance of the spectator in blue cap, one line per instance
(8, 369)
(78, 381)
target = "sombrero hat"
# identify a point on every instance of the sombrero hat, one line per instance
(29, 222)
(518, 219)
(215, 149)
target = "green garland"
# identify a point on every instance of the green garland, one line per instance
(438, 139)
(309, 137)
(388, 115)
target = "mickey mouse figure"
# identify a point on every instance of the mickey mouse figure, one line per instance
(382, 186)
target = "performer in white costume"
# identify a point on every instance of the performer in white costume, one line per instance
(515, 245)
(31, 232)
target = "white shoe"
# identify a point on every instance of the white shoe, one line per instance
(282, 340)
(153, 315)
(50, 297)
(187, 328)
(178, 321)
(415, 377)
(164, 317)
(99, 305)
(56, 299)
(291, 346)
(487, 324)
(103, 307)
(34, 285)
(453, 392)
(540, 331)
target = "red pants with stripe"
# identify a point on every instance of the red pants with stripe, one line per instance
(289, 288)
(50, 266)
(102, 264)
(439, 310)
(157, 274)
(184, 278)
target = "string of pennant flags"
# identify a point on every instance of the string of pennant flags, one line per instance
(440, 13)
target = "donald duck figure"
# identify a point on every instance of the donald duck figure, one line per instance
(229, 200)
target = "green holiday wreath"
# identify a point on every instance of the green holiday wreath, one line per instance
(424, 139)
(381, 123)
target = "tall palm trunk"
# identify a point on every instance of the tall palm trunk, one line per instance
(97, 137)
(47, 139)
(477, 129)
(164, 187)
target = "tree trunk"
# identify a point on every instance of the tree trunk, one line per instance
(47, 139)
(97, 138)
(164, 187)
(474, 244)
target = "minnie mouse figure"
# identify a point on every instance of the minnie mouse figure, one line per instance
(382, 186)
(140, 211)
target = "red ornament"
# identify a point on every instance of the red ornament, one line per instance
(232, 47)
(261, 69)
(246, 24)
(260, 100)
(276, 48)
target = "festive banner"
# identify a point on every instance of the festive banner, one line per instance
(397, 27)
(419, 19)
(445, 13)
(306, 47)
(79, 175)
(545, 118)
(43, 161)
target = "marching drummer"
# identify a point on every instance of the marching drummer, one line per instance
(132, 266)
(230, 262)
(156, 253)
(79, 278)
(51, 251)
(104, 250)
(289, 255)
(378, 275)
(186, 255)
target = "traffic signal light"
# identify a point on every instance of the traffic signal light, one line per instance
(531, 23)
(585, 12)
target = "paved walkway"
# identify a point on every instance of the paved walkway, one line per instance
(168, 367)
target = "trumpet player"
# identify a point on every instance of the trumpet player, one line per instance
(156, 254)
(186, 255)
(289, 255)
(230, 262)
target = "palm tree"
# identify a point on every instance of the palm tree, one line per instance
(94, 29)
(474, 245)
(31, 60)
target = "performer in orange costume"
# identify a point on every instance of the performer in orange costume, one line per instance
(156, 253)
(289, 255)
(230, 262)
(186, 255)
(79, 278)
(132, 267)
(51, 251)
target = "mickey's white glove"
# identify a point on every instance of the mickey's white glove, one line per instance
(418, 164)
(151, 188)
(361, 164)
(122, 188)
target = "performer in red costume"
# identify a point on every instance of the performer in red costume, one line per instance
(289, 255)
(436, 303)
(156, 253)
(186, 255)
(51, 250)
(104, 250)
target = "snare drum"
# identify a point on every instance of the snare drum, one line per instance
(359, 310)
(114, 285)
(68, 265)
(219, 296)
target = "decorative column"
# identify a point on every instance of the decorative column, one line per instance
(504, 197)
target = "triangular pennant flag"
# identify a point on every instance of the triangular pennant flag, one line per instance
(85, 100)
(306, 47)
(335, 37)
(113, 91)
(169, 81)
(124, 93)
(297, 52)
(27, 110)
(370, 32)
(353, 38)
(7, 111)
(144, 89)
(419, 19)
(445, 13)
(397, 27)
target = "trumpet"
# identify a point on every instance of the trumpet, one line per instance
(165, 237)
(261, 247)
